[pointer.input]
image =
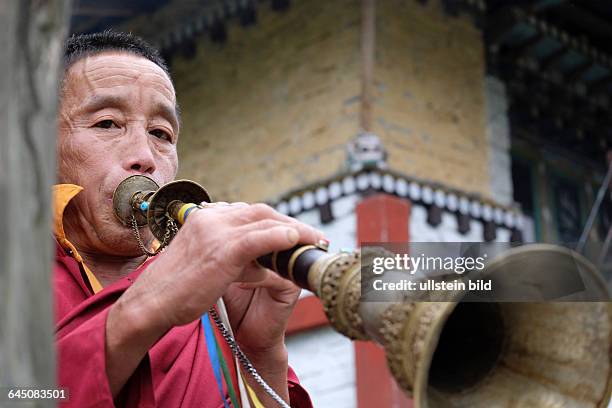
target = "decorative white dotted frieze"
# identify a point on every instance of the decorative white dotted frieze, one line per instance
(308, 200)
(427, 195)
(335, 190)
(348, 185)
(282, 207)
(363, 182)
(295, 205)
(440, 198)
(415, 191)
(452, 202)
(375, 180)
(321, 195)
(388, 183)
(401, 187)
(418, 193)
(475, 209)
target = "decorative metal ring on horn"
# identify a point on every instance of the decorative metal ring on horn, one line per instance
(141, 197)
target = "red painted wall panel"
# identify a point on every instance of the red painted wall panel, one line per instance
(380, 218)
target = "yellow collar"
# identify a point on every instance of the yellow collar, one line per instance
(62, 195)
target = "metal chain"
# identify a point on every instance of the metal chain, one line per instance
(244, 360)
(170, 225)
(171, 231)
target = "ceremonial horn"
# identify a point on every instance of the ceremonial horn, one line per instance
(447, 353)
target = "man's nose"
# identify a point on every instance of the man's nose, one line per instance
(140, 155)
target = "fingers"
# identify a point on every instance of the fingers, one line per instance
(279, 289)
(257, 242)
(269, 280)
(259, 211)
(222, 206)
(250, 231)
(254, 274)
(306, 233)
(258, 214)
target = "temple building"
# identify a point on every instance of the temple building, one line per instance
(388, 121)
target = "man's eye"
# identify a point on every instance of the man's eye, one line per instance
(106, 124)
(161, 134)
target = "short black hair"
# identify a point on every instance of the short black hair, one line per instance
(83, 45)
(80, 46)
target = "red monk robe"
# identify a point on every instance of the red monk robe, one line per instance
(175, 373)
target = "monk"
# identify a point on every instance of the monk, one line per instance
(134, 330)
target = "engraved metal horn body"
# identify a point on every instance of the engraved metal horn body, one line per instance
(444, 354)
(472, 355)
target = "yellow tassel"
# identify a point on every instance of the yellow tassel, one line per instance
(252, 394)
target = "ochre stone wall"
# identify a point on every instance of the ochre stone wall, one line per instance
(429, 95)
(271, 109)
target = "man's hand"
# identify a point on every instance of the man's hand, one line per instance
(258, 313)
(213, 250)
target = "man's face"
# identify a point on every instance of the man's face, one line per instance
(117, 118)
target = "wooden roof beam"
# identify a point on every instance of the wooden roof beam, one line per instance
(600, 85)
(545, 5)
(575, 74)
(525, 47)
(498, 24)
(576, 13)
(551, 60)
(103, 12)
